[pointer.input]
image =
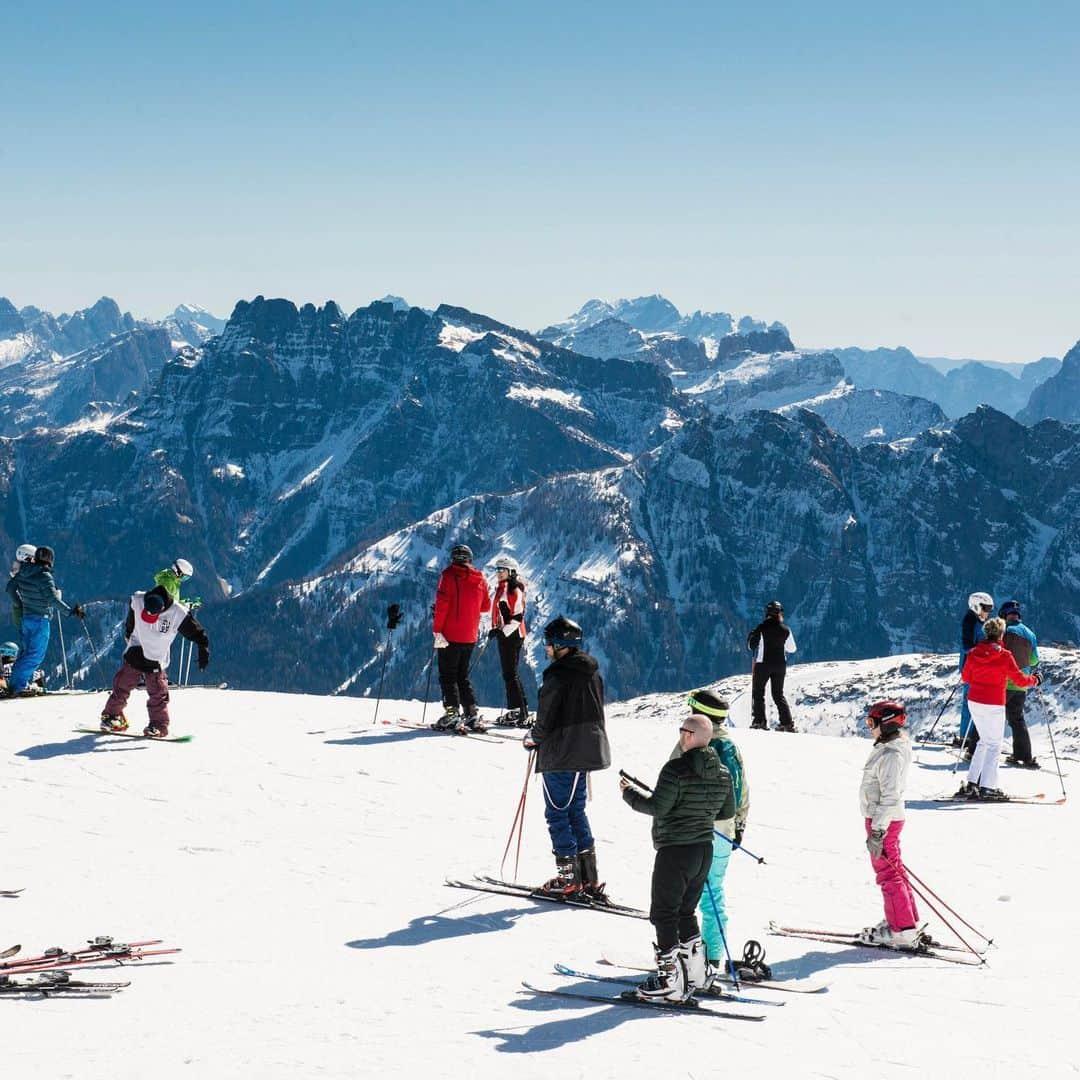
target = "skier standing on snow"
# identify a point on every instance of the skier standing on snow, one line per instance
(989, 666)
(770, 642)
(172, 577)
(508, 629)
(33, 595)
(153, 621)
(881, 800)
(570, 740)
(691, 793)
(1021, 642)
(980, 608)
(461, 598)
(714, 919)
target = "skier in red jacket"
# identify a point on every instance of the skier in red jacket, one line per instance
(461, 598)
(987, 669)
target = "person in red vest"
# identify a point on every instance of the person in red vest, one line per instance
(461, 598)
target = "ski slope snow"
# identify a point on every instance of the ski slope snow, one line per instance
(297, 853)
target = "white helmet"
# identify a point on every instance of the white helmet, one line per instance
(979, 600)
(182, 568)
(25, 552)
(506, 562)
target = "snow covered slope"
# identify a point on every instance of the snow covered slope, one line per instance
(296, 853)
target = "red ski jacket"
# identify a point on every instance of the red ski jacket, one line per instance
(460, 599)
(986, 670)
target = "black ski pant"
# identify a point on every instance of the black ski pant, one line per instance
(454, 676)
(1014, 715)
(678, 877)
(509, 657)
(774, 674)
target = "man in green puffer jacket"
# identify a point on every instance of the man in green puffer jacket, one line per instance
(691, 792)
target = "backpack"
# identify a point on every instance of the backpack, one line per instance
(729, 758)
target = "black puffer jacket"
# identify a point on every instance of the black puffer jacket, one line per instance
(33, 591)
(569, 731)
(691, 793)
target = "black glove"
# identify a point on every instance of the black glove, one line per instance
(79, 611)
(739, 830)
(1037, 676)
(492, 632)
(204, 657)
(504, 610)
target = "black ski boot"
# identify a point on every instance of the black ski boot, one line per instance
(987, 794)
(591, 886)
(567, 881)
(449, 719)
(471, 722)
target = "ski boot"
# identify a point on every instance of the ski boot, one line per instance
(668, 981)
(449, 719)
(591, 886)
(507, 719)
(909, 940)
(471, 722)
(967, 791)
(752, 966)
(987, 794)
(1020, 763)
(155, 732)
(692, 957)
(522, 719)
(566, 881)
(113, 723)
(785, 727)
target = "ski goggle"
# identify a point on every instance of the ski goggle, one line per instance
(708, 710)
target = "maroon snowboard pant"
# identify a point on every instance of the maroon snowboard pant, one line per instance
(157, 689)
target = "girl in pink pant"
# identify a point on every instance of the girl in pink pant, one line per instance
(881, 798)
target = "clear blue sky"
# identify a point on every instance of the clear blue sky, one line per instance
(869, 177)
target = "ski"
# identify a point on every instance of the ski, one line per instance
(600, 905)
(102, 951)
(690, 1008)
(527, 893)
(133, 735)
(945, 953)
(10, 951)
(786, 986)
(845, 934)
(1042, 799)
(630, 980)
(11, 894)
(57, 983)
(481, 736)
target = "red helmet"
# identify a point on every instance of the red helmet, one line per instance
(886, 712)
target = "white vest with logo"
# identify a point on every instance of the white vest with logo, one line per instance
(156, 638)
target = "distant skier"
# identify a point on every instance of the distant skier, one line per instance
(33, 595)
(9, 652)
(881, 800)
(1023, 645)
(770, 642)
(691, 793)
(153, 621)
(570, 740)
(461, 598)
(508, 629)
(171, 578)
(714, 930)
(980, 608)
(989, 666)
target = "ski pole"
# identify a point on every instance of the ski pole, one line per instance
(908, 870)
(427, 687)
(187, 667)
(479, 653)
(723, 936)
(63, 649)
(393, 617)
(1053, 747)
(518, 823)
(739, 847)
(933, 726)
(97, 660)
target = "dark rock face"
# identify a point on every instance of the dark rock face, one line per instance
(1058, 398)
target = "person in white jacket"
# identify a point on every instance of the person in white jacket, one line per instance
(881, 799)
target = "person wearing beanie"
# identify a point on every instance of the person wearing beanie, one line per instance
(691, 793)
(1020, 640)
(713, 905)
(988, 668)
(154, 619)
(770, 642)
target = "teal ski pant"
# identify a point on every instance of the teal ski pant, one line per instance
(712, 931)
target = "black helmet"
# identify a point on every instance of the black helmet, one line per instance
(1010, 607)
(564, 633)
(45, 556)
(774, 607)
(461, 554)
(708, 704)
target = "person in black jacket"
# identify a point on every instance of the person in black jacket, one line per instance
(692, 792)
(570, 741)
(770, 642)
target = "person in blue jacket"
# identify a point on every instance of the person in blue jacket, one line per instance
(33, 595)
(1021, 642)
(980, 608)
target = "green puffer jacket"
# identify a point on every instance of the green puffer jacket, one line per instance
(691, 793)
(729, 756)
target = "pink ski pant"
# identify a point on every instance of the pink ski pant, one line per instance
(900, 910)
(157, 691)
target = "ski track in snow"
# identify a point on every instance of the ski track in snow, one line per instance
(302, 874)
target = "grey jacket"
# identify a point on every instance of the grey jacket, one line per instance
(33, 591)
(881, 793)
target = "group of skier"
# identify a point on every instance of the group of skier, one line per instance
(154, 619)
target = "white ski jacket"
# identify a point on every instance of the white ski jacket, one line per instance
(884, 778)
